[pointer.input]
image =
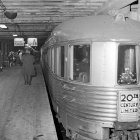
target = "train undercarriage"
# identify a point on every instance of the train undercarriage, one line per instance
(114, 134)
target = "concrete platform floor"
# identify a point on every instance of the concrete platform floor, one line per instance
(24, 110)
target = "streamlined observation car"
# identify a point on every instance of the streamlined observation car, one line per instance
(92, 68)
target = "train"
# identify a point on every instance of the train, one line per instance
(92, 70)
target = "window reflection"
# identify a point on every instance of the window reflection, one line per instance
(127, 64)
(62, 61)
(81, 63)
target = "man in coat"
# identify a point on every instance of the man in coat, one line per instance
(28, 66)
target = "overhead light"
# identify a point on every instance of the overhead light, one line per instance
(15, 35)
(3, 26)
(10, 15)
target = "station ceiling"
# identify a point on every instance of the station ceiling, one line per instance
(37, 18)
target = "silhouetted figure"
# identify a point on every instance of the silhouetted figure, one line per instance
(1, 67)
(28, 66)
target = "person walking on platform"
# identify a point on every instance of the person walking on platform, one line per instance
(10, 58)
(28, 66)
(1, 67)
(20, 52)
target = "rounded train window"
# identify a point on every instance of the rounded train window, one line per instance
(127, 64)
(80, 63)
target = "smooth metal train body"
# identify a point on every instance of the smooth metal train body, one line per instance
(92, 68)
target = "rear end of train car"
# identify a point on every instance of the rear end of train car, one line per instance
(92, 69)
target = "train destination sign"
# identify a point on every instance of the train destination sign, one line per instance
(32, 41)
(19, 41)
(129, 102)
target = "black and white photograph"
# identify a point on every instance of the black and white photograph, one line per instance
(69, 69)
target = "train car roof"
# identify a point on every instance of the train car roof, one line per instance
(98, 28)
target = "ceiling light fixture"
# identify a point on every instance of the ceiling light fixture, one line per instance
(15, 35)
(3, 26)
(8, 14)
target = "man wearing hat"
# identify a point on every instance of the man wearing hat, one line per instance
(28, 65)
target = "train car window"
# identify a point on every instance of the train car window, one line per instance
(127, 64)
(60, 61)
(81, 63)
(55, 60)
(49, 57)
(46, 58)
(52, 58)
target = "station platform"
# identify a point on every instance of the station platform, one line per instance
(25, 112)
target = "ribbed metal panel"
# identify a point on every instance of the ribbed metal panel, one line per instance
(100, 106)
(93, 104)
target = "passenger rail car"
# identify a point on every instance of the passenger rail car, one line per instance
(92, 68)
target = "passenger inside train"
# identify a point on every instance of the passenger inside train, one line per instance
(81, 63)
(127, 64)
